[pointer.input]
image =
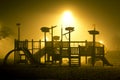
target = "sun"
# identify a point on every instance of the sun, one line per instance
(67, 18)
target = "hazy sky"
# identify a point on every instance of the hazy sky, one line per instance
(33, 14)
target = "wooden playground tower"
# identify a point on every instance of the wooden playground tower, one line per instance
(54, 51)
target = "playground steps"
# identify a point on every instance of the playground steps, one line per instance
(74, 60)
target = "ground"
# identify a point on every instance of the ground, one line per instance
(48, 72)
(43, 72)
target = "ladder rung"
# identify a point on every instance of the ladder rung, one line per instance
(74, 56)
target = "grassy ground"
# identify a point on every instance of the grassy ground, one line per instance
(43, 72)
(33, 72)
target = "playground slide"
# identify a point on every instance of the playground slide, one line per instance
(26, 52)
(50, 51)
(105, 61)
(29, 55)
(40, 53)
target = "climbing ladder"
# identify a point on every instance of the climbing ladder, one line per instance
(74, 57)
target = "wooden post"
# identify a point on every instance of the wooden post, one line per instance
(39, 44)
(39, 60)
(32, 46)
(79, 55)
(85, 50)
(103, 51)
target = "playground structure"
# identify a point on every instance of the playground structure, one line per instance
(55, 51)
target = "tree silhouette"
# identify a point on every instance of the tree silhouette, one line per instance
(5, 32)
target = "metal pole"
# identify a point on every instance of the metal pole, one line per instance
(51, 46)
(69, 50)
(17, 53)
(93, 32)
(93, 56)
(45, 29)
(18, 24)
(61, 45)
(61, 34)
(45, 45)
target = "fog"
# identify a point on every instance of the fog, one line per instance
(35, 14)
